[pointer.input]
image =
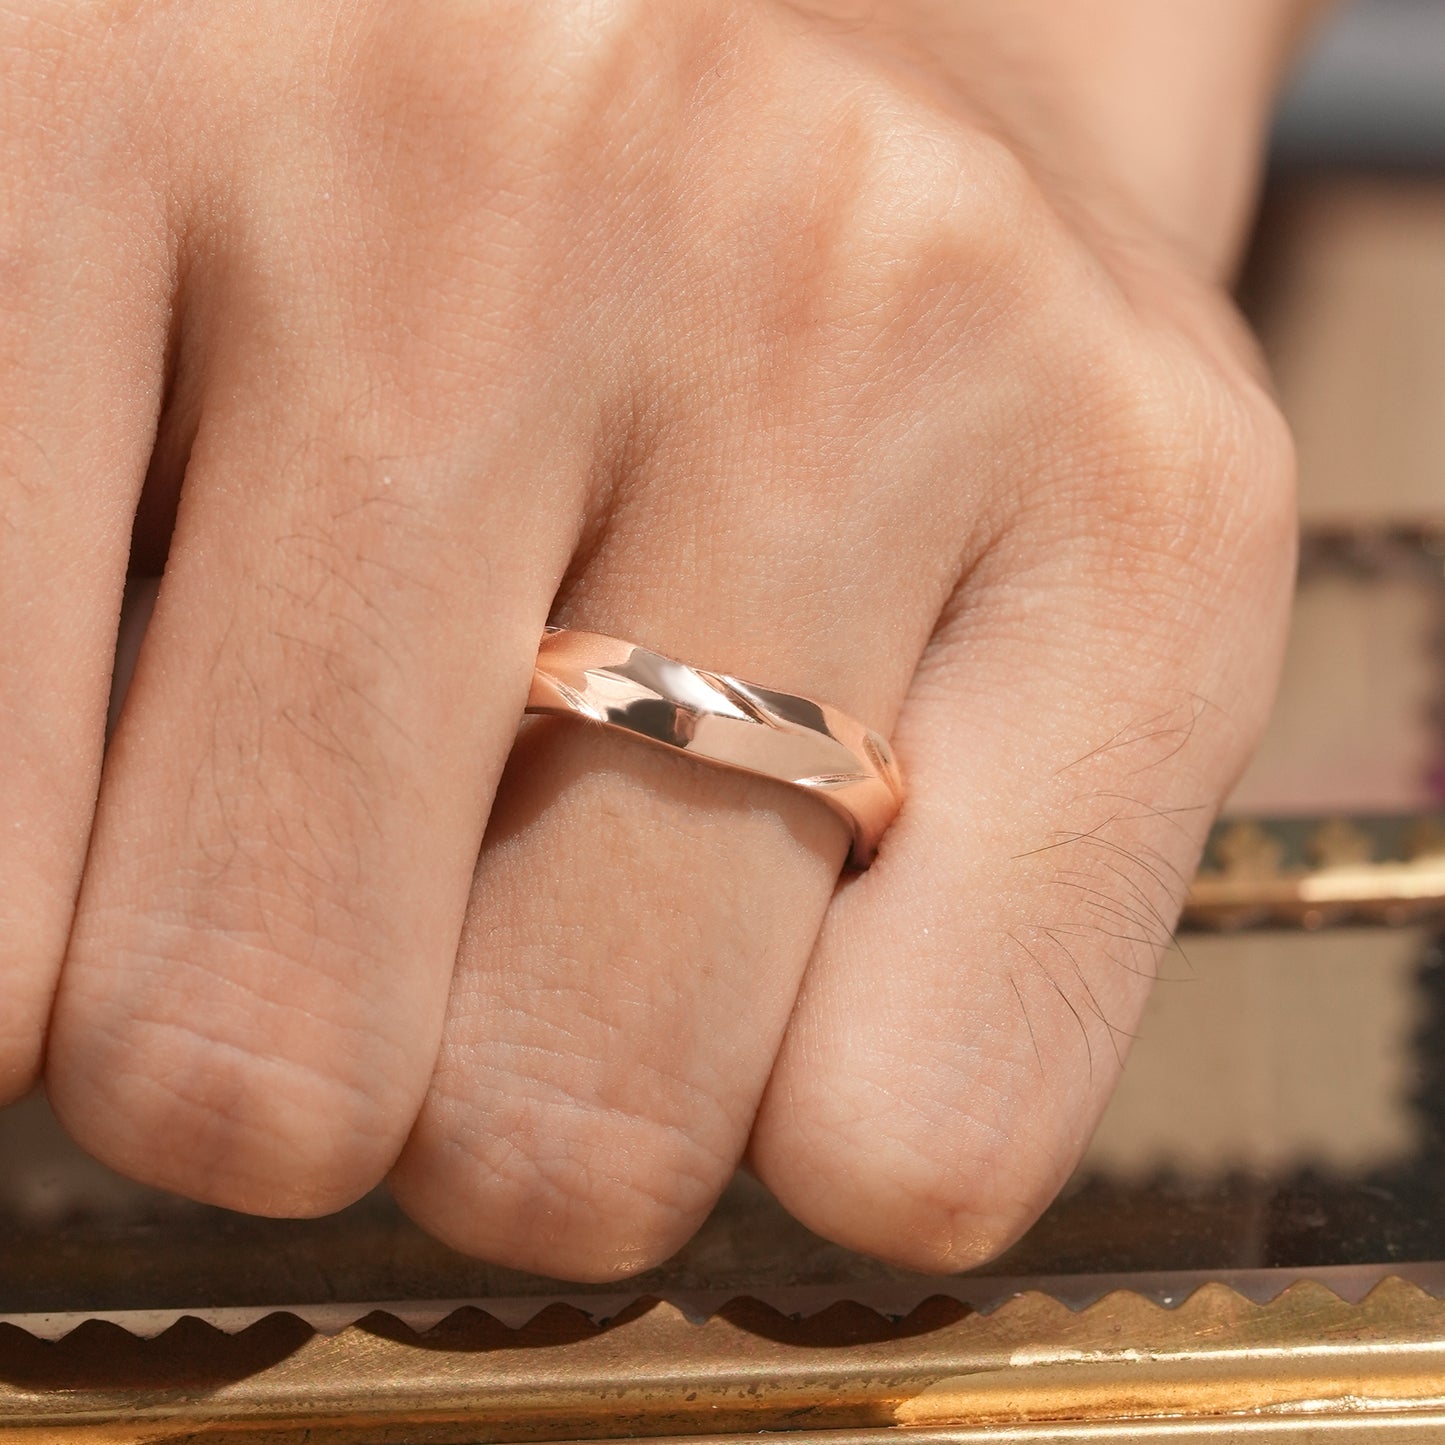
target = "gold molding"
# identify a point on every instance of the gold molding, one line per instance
(1302, 1365)
(1312, 873)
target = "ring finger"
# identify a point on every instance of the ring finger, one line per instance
(640, 922)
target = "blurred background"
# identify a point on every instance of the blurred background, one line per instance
(1370, 91)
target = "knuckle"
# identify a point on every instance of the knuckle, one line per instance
(1169, 468)
(925, 217)
(937, 1190)
(560, 1188)
(186, 1063)
(486, 89)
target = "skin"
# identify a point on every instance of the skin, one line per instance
(876, 353)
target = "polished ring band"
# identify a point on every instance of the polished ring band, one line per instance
(723, 720)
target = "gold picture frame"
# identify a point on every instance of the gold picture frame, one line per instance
(1306, 1366)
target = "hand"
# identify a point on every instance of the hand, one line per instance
(728, 328)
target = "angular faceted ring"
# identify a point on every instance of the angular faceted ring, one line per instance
(724, 720)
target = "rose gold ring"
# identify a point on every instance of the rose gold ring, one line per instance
(723, 720)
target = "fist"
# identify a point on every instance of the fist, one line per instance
(385, 335)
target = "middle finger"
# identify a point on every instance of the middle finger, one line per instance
(640, 921)
(297, 785)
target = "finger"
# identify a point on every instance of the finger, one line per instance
(1086, 704)
(610, 1032)
(82, 362)
(297, 786)
(640, 920)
